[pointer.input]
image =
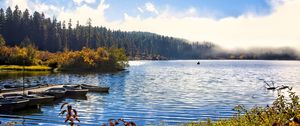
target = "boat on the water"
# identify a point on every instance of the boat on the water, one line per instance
(39, 99)
(10, 104)
(75, 90)
(34, 99)
(12, 88)
(93, 88)
(56, 92)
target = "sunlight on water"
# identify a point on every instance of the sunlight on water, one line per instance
(136, 63)
(172, 92)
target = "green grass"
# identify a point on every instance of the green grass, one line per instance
(285, 111)
(26, 68)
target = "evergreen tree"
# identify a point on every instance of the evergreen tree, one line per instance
(52, 35)
(8, 29)
(2, 21)
(2, 41)
(89, 24)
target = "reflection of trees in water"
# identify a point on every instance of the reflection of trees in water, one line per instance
(18, 74)
(15, 78)
(117, 81)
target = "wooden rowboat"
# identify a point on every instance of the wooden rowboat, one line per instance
(93, 88)
(34, 99)
(56, 92)
(75, 91)
(13, 103)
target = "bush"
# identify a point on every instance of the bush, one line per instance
(101, 59)
(283, 111)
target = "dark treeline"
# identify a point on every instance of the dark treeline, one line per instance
(23, 28)
(19, 28)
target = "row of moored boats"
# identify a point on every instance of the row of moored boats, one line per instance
(10, 102)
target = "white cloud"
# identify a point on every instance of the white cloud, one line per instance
(84, 12)
(78, 2)
(192, 11)
(280, 28)
(151, 8)
(22, 4)
(140, 10)
(49, 10)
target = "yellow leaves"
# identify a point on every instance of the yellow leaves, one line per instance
(293, 123)
(298, 116)
(86, 58)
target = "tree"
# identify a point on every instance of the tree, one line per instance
(89, 24)
(2, 21)
(64, 36)
(2, 41)
(25, 24)
(26, 41)
(16, 21)
(53, 35)
(8, 25)
(70, 33)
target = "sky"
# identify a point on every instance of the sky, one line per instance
(228, 23)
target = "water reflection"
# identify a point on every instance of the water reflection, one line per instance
(150, 92)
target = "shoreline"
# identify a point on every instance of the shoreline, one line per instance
(25, 68)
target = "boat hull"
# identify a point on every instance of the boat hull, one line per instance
(9, 105)
(56, 94)
(92, 88)
(79, 92)
(38, 100)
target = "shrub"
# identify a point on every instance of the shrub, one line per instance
(283, 111)
(101, 59)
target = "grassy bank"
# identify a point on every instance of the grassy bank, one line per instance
(98, 60)
(285, 111)
(26, 68)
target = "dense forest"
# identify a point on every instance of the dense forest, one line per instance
(19, 28)
(22, 28)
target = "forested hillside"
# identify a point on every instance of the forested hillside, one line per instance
(19, 28)
(23, 28)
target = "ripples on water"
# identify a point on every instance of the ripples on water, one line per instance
(172, 92)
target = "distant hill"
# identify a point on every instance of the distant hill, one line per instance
(21, 28)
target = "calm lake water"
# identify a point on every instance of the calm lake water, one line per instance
(163, 92)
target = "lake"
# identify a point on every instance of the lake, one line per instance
(163, 92)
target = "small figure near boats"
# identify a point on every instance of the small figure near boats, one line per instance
(198, 63)
(71, 113)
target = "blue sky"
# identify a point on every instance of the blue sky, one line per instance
(221, 8)
(229, 23)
